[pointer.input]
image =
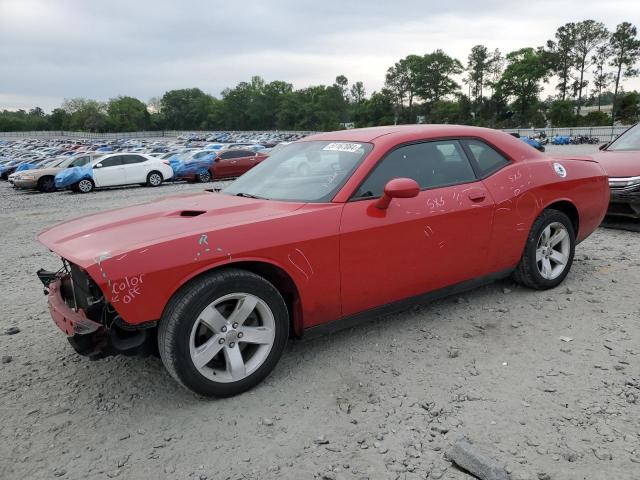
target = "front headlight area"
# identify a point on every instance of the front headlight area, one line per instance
(624, 182)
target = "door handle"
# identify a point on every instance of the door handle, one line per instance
(477, 196)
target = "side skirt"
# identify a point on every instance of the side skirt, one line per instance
(401, 305)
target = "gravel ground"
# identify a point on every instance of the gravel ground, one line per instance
(548, 382)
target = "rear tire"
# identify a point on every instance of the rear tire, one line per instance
(154, 179)
(548, 253)
(201, 332)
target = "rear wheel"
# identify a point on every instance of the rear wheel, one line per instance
(223, 333)
(548, 253)
(85, 185)
(154, 179)
(47, 184)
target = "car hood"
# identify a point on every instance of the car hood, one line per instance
(619, 163)
(85, 240)
(40, 172)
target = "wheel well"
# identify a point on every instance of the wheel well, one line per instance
(283, 283)
(155, 171)
(44, 177)
(570, 210)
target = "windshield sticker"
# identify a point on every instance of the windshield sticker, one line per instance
(343, 147)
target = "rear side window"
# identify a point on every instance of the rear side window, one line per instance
(130, 159)
(487, 159)
(431, 164)
(112, 161)
(231, 154)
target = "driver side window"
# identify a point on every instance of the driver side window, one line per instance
(431, 164)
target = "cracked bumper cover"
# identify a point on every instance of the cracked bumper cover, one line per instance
(68, 320)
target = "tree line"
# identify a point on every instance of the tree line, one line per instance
(587, 62)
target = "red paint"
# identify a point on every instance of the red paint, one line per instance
(68, 320)
(343, 257)
(398, 188)
(619, 163)
(234, 167)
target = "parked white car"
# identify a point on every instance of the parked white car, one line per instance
(125, 169)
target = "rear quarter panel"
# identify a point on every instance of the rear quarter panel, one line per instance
(522, 190)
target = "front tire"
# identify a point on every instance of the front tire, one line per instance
(47, 184)
(154, 179)
(204, 177)
(223, 332)
(548, 253)
(85, 185)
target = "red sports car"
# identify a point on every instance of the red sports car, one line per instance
(386, 216)
(235, 162)
(621, 161)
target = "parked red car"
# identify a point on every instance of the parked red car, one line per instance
(386, 216)
(621, 160)
(235, 162)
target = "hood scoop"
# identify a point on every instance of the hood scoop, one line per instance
(191, 213)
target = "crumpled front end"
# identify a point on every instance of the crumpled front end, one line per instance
(92, 325)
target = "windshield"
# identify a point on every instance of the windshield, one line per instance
(629, 140)
(302, 172)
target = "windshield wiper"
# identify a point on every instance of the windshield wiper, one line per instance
(249, 195)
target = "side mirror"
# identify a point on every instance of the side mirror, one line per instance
(603, 146)
(97, 165)
(398, 188)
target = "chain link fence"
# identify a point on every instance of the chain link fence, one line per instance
(604, 134)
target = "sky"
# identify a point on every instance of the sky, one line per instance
(56, 49)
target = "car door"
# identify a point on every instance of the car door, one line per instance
(244, 163)
(436, 239)
(136, 168)
(225, 164)
(110, 171)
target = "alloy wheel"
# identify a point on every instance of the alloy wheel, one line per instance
(155, 179)
(85, 186)
(552, 251)
(232, 337)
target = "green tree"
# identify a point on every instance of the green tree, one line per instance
(401, 80)
(379, 109)
(59, 119)
(127, 114)
(526, 69)
(588, 35)
(561, 113)
(186, 109)
(627, 108)
(478, 65)
(434, 77)
(357, 95)
(601, 78)
(85, 115)
(625, 50)
(562, 56)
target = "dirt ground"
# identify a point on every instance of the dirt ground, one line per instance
(549, 382)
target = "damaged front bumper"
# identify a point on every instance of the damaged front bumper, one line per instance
(70, 321)
(92, 326)
(625, 197)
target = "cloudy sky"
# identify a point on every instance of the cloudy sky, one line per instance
(56, 49)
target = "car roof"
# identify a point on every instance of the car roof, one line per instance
(402, 132)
